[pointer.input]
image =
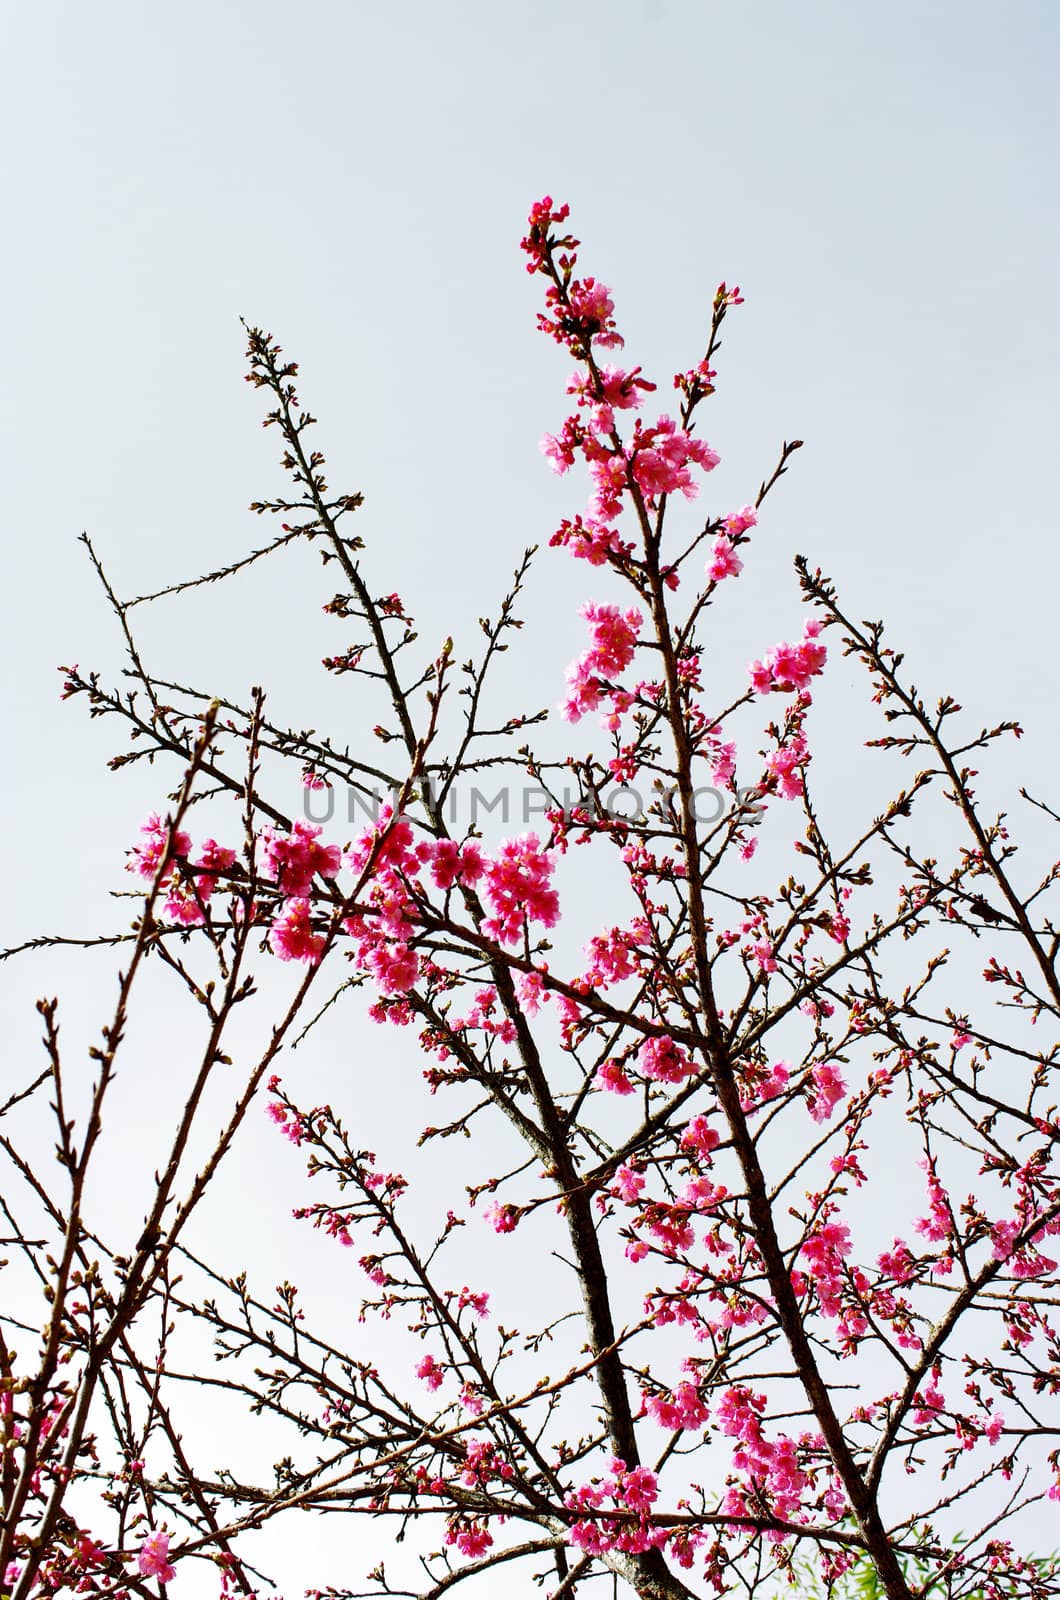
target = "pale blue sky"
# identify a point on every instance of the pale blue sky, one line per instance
(879, 179)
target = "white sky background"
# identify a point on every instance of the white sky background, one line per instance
(879, 180)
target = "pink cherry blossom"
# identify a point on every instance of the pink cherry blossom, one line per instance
(502, 1218)
(723, 764)
(768, 1087)
(724, 562)
(473, 1402)
(292, 860)
(764, 955)
(785, 765)
(153, 1558)
(559, 450)
(662, 1059)
(470, 1538)
(453, 863)
(823, 1251)
(638, 1488)
(740, 521)
(611, 1075)
(614, 637)
(628, 1183)
(532, 992)
(213, 859)
(790, 666)
(611, 958)
(681, 1409)
(477, 1299)
(591, 541)
(518, 888)
(292, 937)
(607, 469)
(147, 858)
(543, 214)
(430, 1373)
(180, 904)
(661, 458)
(828, 1090)
(592, 307)
(938, 1224)
(700, 1137)
(388, 845)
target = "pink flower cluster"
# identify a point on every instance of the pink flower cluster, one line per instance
(153, 1559)
(938, 1224)
(790, 666)
(481, 1463)
(532, 992)
(186, 896)
(587, 317)
(471, 1538)
(627, 1183)
(388, 845)
(477, 1299)
(614, 637)
(776, 1470)
(823, 1251)
(658, 461)
(607, 390)
(543, 214)
(148, 858)
(613, 1077)
(502, 1218)
(738, 523)
(765, 1086)
(1025, 1262)
(430, 1373)
(722, 758)
(486, 1014)
(928, 1402)
(292, 860)
(659, 1058)
(683, 1408)
(898, 1263)
(724, 561)
(519, 888)
(213, 859)
(516, 882)
(453, 863)
(785, 765)
(661, 457)
(292, 936)
(662, 1059)
(634, 1490)
(587, 539)
(288, 1120)
(612, 957)
(579, 313)
(388, 854)
(700, 1138)
(828, 1088)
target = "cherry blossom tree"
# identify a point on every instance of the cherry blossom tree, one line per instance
(782, 1123)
